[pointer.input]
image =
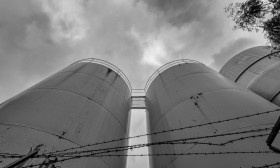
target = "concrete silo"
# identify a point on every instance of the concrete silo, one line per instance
(188, 93)
(257, 69)
(85, 103)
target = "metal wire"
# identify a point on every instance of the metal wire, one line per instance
(268, 165)
(5, 155)
(124, 148)
(191, 140)
(99, 152)
(153, 155)
(170, 130)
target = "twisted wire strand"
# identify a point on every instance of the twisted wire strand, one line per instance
(268, 165)
(153, 155)
(122, 148)
(77, 154)
(166, 131)
(2, 155)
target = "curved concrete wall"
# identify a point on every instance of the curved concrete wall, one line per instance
(85, 103)
(249, 69)
(268, 84)
(191, 94)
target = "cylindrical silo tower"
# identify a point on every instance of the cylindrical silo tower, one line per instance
(267, 84)
(85, 103)
(257, 69)
(188, 93)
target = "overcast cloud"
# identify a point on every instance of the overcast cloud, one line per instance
(37, 38)
(179, 12)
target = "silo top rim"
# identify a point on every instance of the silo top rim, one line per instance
(108, 65)
(166, 66)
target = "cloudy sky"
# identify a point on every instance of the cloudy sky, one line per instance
(40, 37)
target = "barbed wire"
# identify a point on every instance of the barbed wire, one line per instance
(226, 142)
(68, 155)
(172, 142)
(151, 155)
(166, 131)
(91, 153)
(193, 142)
(185, 154)
(124, 148)
(183, 140)
(244, 138)
(7, 155)
(268, 165)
